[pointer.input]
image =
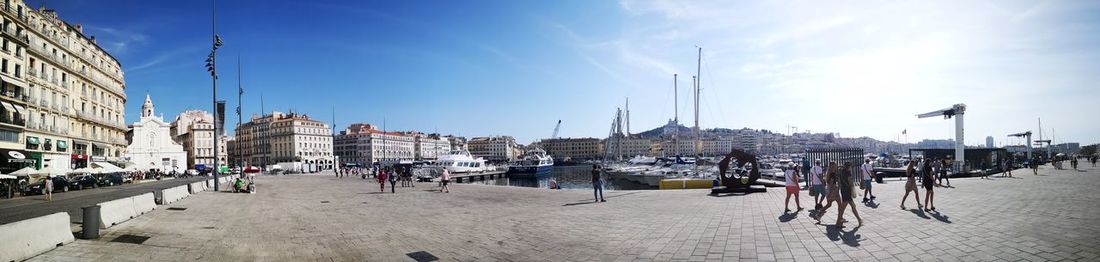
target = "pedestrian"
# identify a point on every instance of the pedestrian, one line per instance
(945, 171)
(1011, 164)
(928, 183)
(49, 188)
(791, 175)
(446, 179)
(833, 194)
(868, 172)
(393, 182)
(920, 170)
(937, 165)
(381, 177)
(817, 184)
(1034, 164)
(911, 186)
(847, 196)
(1073, 162)
(597, 184)
(1094, 160)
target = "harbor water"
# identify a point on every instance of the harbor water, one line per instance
(567, 177)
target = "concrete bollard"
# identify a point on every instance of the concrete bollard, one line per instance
(91, 217)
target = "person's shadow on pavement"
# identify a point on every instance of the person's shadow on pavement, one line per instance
(850, 238)
(941, 217)
(871, 204)
(920, 213)
(788, 216)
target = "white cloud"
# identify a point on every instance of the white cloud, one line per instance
(832, 65)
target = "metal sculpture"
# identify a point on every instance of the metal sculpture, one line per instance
(741, 176)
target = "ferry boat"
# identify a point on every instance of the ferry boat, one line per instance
(459, 161)
(533, 162)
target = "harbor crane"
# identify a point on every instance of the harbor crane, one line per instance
(1027, 136)
(556, 128)
(955, 111)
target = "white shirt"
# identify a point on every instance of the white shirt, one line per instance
(815, 175)
(867, 169)
(791, 179)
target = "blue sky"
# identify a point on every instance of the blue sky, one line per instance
(476, 68)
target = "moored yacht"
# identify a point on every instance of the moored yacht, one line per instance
(459, 161)
(533, 162)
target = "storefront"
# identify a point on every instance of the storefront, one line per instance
(11, 160)
(78, 161)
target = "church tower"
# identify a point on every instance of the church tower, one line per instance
(147, 107)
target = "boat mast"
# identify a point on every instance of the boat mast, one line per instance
(676, 117)
(698, 81)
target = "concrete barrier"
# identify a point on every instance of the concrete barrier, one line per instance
(115, 211)
(169, 195)
(28, 238)
(196, 187)
(143, 203)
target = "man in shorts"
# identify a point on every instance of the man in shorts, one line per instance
(817, 184)
(868, 172)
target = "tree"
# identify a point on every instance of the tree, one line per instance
(1088, 150)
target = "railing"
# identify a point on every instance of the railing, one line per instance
(43, 102)
(65, 84)
(31, 72)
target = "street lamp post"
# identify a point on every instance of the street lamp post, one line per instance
(212, 67)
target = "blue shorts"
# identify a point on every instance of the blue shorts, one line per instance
(820, 189)
(867, 183)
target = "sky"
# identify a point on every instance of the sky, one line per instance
(479, 68)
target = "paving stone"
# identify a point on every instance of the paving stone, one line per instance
(1034, 218)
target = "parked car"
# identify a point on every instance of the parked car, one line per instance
(111, 180)
(60, 184)
(84, 181)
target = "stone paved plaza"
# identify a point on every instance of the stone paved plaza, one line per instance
(1052, 216)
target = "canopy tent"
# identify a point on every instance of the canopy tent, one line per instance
(82, 170)
(99, 170)
(131, 169)
(55, 170)
(26, 171)
(107, 167)
(7, 177)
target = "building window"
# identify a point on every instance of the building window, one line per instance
(9, 136)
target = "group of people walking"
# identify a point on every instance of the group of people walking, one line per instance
(404, 175)
(835, 184)
(831, 184)
(925, 172)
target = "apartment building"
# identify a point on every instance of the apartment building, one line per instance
(61, 95)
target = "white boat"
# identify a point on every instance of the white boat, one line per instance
(533, 162)
(642, 160)
(460, 161)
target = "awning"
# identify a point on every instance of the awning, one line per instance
(107, 167)
(32, 140)
(15, 83)
(9, 107)
(19, 108)
(99, 145)
(62, 144)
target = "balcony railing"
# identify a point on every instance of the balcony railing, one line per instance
(32, 73)
(65, 84)
(44, 103)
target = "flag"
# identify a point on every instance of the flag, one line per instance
(217, 41)
(903, 131)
